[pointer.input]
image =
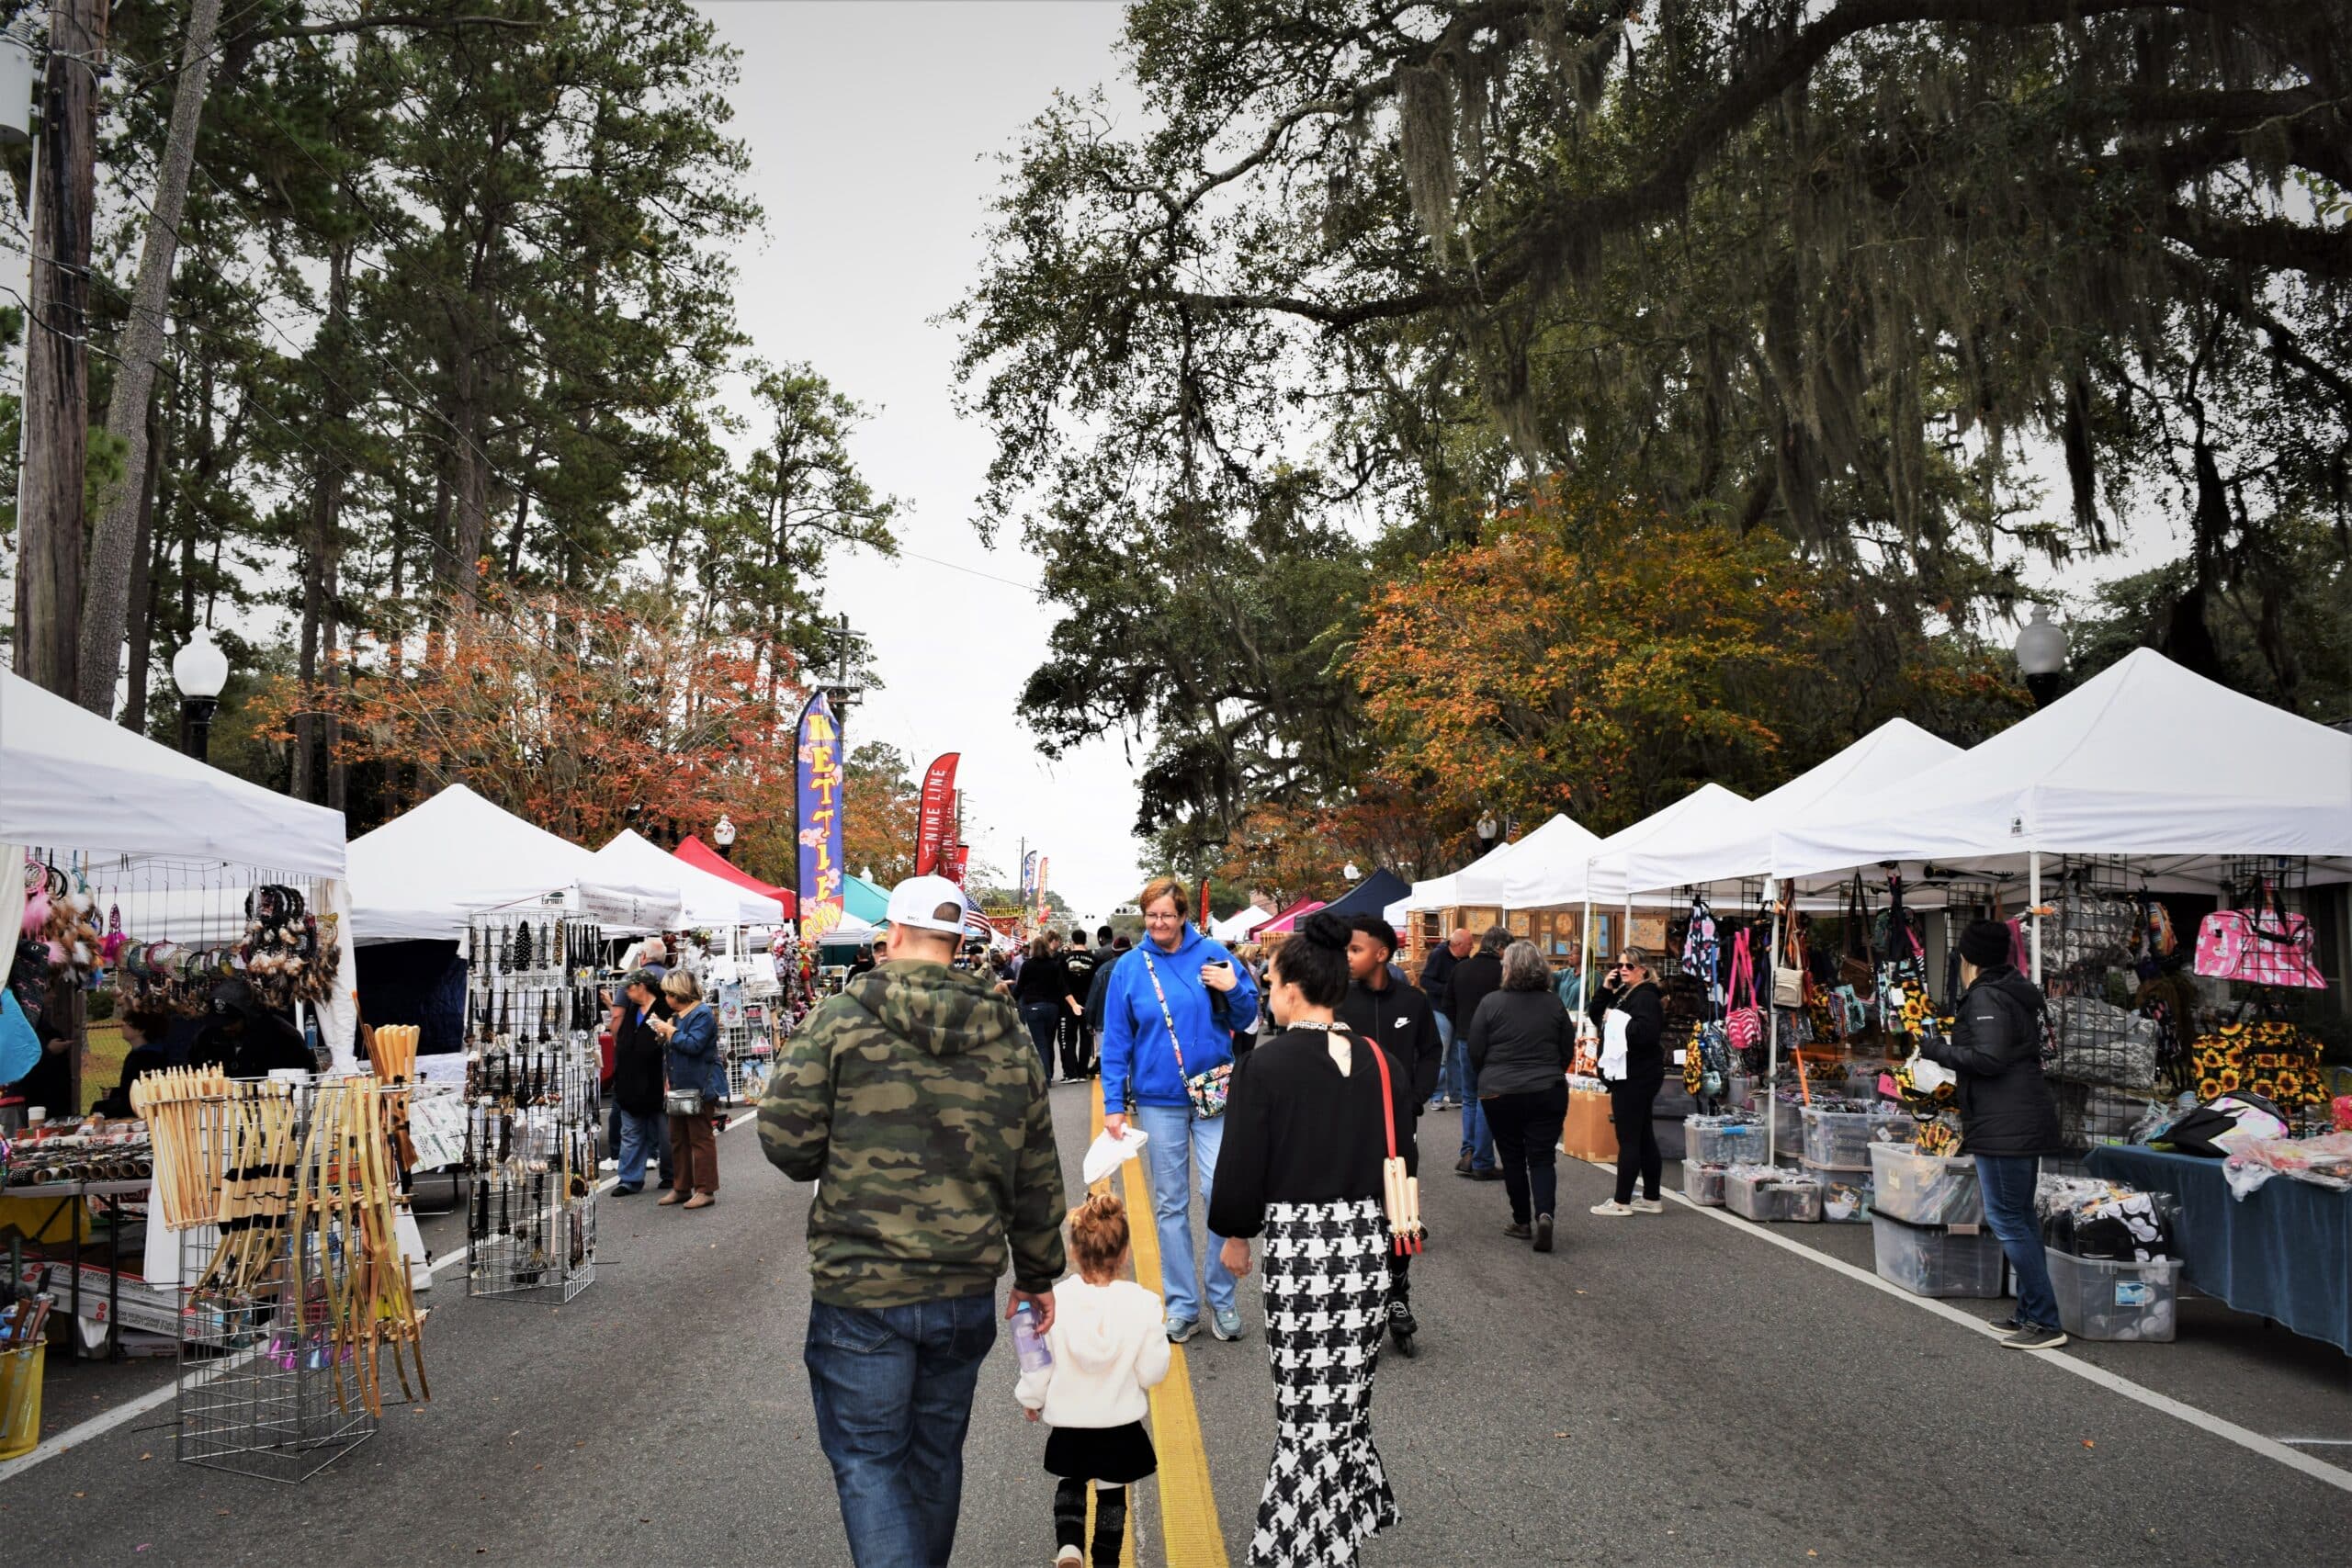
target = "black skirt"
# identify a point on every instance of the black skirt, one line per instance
(1115, 1456)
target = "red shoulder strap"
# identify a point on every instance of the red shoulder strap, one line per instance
(1387, 1095)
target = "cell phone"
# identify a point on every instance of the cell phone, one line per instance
(1218, 964)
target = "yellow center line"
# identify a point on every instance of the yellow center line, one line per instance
(1187, 1522)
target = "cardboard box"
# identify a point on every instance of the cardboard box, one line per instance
(1589, 1134)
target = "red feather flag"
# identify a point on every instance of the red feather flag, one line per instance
(935, 825)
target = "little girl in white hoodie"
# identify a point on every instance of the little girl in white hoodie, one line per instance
(1109, 1345)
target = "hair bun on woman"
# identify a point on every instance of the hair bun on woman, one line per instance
(1325, 930)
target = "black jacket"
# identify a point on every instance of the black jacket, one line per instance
(1436, 970)
(2006, 1108)
(1645, 1015)
(268, 1044)
(1400, 1021)
(636, 1059)
(1473, 980)
(1521, 1043)
(1043, 979)
(1098, 989)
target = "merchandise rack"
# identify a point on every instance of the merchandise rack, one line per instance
(531, 1081)
(2105, 1075)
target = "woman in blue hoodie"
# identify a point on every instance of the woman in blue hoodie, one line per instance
(1178, 997)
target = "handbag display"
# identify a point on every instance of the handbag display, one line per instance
(2264, 945)
(1207, 1090)
(1902, 973)
(1742, 1021)
(1788, 979)
(1400, 1192)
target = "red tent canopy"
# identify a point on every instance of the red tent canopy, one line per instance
(695, 852)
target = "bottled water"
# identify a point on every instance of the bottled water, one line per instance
(1029, 1345)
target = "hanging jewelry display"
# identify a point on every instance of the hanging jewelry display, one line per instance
(531, 1144)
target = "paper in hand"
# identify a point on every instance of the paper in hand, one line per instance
(1107, 1153)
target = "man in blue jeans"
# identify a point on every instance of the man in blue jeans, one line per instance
(2012, 1120)
(1474, 980)
(916, 1102)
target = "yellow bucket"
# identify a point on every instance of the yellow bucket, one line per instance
(21, 1376)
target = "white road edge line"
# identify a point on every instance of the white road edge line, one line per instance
(2204, 1420)
(99, 1425)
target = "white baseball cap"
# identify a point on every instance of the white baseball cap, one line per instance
(916, 902)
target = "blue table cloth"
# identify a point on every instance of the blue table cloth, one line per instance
(2284, 1252)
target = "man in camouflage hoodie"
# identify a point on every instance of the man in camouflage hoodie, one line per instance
(916, 1103)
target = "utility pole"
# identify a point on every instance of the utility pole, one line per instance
(57, 354)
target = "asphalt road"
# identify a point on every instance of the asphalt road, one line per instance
(1664, 1390)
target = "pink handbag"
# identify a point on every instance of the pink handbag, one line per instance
(1743, 1024)
(2261, 946)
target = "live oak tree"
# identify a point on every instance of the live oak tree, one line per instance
(1857, 275)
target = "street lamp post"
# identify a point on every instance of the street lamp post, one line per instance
(723, 834)
(199, 670)
(2041, 656)
(1350, 873)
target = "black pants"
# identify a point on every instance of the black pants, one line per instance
(1527, 1141)
(1637, 1153)
(1400, 1264)
(1078, 1051)
(1110, 1518)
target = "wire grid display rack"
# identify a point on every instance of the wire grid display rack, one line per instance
(531, 1076)
(2105, 1075)
(2277, 888)
(263, 1389)
(747, 1035)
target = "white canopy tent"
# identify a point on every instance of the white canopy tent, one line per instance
(2144, 758)
(1597, 876)
(71, 780)
(1735, 845)
(139, 816)
(1549, 850)
(425, 873)
(1240, 923)
(703, 899)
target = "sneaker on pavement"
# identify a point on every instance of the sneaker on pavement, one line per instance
(1648, 1205)
(1181, 1328)
(1491, 1173)
(1520, 1230)
(2009, 1325)
(1543, 1233)
(1463, 1165)
(2033, 1336)
(1225, 1323)
(1611, 1208)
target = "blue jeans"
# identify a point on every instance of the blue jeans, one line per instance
(641, 1136)
(1179, 1141)
(1477, 1138)
(1448, 1070)
(893, 1391)
(2008, 1181)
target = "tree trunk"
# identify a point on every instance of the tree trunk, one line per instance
(106, 593)
(57, 357)
(327, 517)
(142, 579)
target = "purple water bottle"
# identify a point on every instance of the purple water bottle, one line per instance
(1029, 1345)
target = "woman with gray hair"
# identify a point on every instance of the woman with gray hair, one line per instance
(1520, 1047)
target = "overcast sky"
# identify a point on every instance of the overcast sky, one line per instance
(873, 127)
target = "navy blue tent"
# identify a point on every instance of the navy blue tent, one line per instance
(1370, 896)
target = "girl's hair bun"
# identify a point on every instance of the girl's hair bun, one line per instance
(1325, 930)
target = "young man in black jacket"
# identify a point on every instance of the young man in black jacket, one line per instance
(1473, 980)
(1398, 1019)
(1436, 970)
(2011, 1117)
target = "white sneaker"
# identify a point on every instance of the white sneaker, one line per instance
(1649, 1205)
(1611, 1208)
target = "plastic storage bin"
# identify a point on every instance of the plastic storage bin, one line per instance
(2103, 1300)
(1842, 1138)
(1844, 1194)
(1722, 1140)
(1939, 1260)
(1927, 1189)
(1703, 1183)
(20, 1380)
(1768, 1194)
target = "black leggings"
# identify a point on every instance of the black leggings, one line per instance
(1110, 1519)
(1527, 1146)
(1638, 1154)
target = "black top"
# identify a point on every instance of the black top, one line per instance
(269, 1044)
(1402, 1021)
(1043, 979)
(1436, 970)
(1646, 1013)
(1520, 1042)
(1297, 1132)
(636, 1059)
(2006, 1107)
(1471, 981)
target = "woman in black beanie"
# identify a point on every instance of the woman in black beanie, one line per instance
(2007, 1117)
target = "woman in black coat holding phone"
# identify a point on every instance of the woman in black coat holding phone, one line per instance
(1629, 1012)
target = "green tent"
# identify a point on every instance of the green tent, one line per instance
(865, 901)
